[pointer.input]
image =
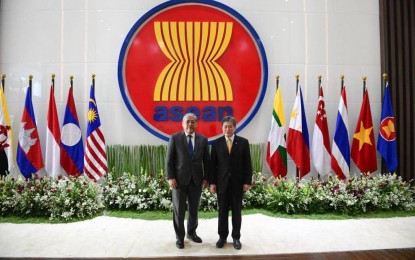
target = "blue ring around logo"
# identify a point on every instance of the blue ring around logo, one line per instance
(171, 3)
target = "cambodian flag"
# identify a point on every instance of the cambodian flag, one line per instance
(387, 133)
(29, 152)
(72, 147)
(340, 151)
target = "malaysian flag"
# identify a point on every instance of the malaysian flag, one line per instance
(95, 159)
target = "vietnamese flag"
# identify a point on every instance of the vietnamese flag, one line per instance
(363, 150)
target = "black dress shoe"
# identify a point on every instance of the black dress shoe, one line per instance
(237, 244)
(179, 244)
(221, 242)
(195, 238)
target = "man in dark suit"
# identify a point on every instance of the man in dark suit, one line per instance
(230, 176)
(187, 173)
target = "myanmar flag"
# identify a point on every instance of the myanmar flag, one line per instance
(276, 149)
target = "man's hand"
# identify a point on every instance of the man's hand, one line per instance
(172, 183)
(246, 187)
(205, 184)
(213, 188)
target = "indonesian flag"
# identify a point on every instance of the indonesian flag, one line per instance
(53, 138)
(29, 153)
(276, 149)
(363, 145)
(95, 160)
(297, 140)
(340, 152)
(320, 146)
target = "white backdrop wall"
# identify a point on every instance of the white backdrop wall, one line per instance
(82, 37)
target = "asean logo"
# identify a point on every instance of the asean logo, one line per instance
(387, 129)
(192, 56)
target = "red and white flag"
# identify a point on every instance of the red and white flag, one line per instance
(320, 146)
(95, 159)
(53, 138)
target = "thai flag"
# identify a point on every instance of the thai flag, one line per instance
(95, 159)
(340, 151)
(29, 152)
(72, 147)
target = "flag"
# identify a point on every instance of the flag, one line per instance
(340, 151)
(95, 160)
(276, 148)
(320, 146)
(6, 137)
(29, 153)
(72, 148)
(363, 150)
(298, 146)
(53, 138)
(387, 133)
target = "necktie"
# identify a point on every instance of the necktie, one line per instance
(229, 143)
(190, 145)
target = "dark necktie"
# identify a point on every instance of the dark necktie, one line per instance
(190, 145)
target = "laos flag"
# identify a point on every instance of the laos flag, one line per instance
(29, 152)
(72, 147)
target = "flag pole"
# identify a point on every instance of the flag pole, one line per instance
(3, 76)
(71, 80)
(30, 83)
(277, 82)
(341, 82)
(364, 84)
(384, 82)
(297, 81)
(318, 100)
(53, 81)
(93, 80)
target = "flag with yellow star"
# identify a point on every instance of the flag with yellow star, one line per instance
(298, 144)
(363, 150)
(95, 159)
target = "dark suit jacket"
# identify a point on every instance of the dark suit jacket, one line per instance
(235, 167)
(181, 165)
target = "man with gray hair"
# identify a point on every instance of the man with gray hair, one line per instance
(187, 165)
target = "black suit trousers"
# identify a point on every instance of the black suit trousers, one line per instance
(230, 200)
(186, 197)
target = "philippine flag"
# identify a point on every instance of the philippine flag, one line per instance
(298, 145)
(340, 151)
(72, 148)
(29, 153)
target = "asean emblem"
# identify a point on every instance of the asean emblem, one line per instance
(387, 129)
(192, 56)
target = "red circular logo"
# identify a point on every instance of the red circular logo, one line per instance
(188, 56)
(387, 129)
